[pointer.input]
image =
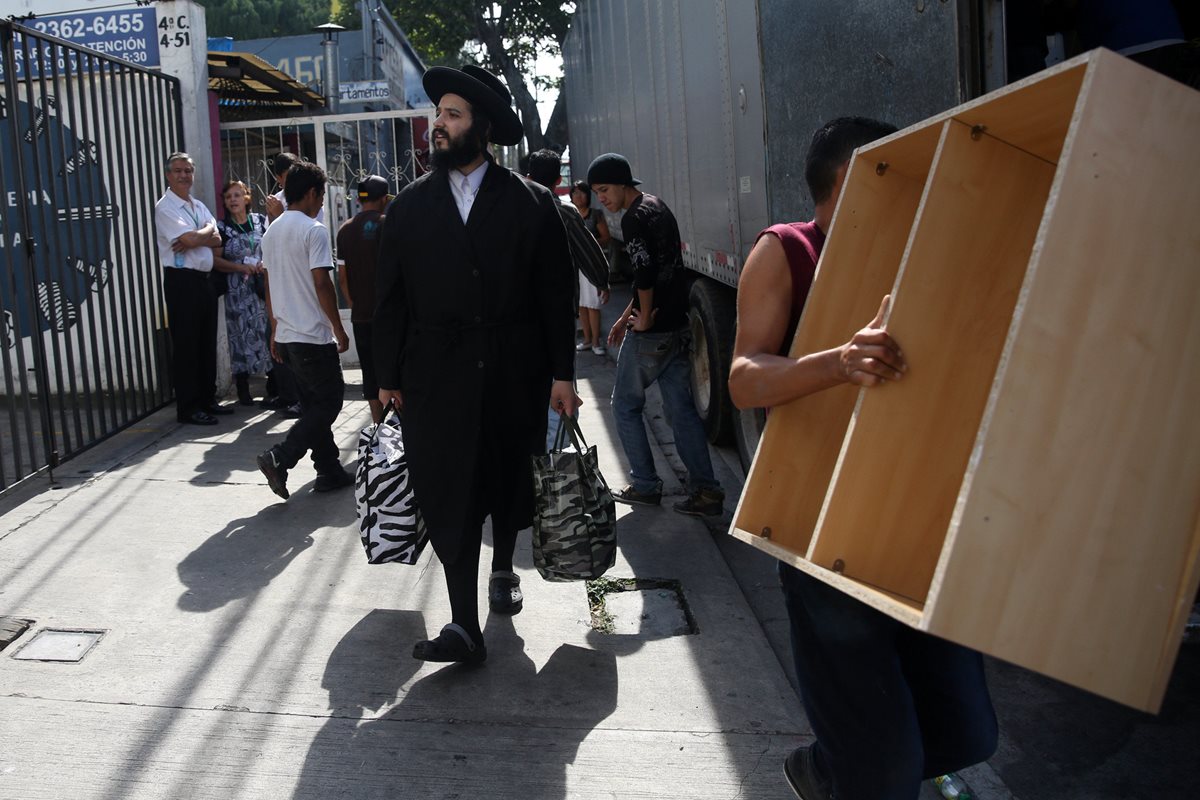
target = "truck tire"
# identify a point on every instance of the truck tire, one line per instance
(748, 428)
(711, 322)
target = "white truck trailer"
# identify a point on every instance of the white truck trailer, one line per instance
(714, 103)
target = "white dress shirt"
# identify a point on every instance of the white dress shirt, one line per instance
(173, 217)
(465, 187)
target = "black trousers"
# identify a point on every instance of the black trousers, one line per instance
(317, 371)
(192, 320)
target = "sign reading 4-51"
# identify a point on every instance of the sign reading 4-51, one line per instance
(174, 32)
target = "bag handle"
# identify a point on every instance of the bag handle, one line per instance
(569, 426)
(389, 408)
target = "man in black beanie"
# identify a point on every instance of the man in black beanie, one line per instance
(474, 337)
(654, 338)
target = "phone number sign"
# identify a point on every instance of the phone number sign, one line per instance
(127, 34)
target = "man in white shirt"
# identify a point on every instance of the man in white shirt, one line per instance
(306, 331)
(187, 234)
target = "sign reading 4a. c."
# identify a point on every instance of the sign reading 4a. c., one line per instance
(175, 32)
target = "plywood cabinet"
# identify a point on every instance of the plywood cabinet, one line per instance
(1032, 487)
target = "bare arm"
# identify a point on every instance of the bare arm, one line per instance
(344, 284)
(638, 316)
(759, 378)
(222, 264)
(274, 207)
(208, 236)
(270, 314)
(617, 332)
(328, 300)
(602, 234)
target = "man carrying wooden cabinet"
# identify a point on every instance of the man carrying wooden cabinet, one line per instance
(889, 705)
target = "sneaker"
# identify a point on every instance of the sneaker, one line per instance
(268, 462)
(800, 769)
(599, 350)
(704, 503)
(633, 497)
(328, 481)
(579, 348)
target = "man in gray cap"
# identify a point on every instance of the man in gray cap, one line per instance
(358, 252)
(474, 336)
(653, 335)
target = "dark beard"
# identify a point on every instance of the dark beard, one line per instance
(459, 153)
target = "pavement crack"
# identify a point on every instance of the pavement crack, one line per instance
(754, 769)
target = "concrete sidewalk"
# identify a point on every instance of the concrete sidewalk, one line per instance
(249, 651)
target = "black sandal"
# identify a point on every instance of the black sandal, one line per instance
(504, 593)
(453, 645)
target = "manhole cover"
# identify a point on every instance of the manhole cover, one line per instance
(50, 644)
(649, 607)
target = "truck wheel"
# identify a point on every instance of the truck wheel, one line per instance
(711, 319)
(748, 428)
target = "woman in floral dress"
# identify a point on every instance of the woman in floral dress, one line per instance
(245, 309)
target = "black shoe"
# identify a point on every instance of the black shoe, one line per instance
(198, 418)
(219, 410)
(633, 497)
(504, 593)
(243, 389)
(803, 775)
(704, 503)
(328, 481)
(290, 412)
(271, 403)
(268, 462)
(453, 644)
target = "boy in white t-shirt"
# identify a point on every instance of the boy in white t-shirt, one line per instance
(306, 331)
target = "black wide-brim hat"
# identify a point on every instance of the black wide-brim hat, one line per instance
(482, 90)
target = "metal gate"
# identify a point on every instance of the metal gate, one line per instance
(349, 147)
(83, 345)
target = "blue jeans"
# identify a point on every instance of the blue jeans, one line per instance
(317, 371)
(646, 358)
(890, 705)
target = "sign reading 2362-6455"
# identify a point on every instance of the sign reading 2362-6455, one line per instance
(127, 34)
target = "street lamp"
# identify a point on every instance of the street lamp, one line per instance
(329, 43)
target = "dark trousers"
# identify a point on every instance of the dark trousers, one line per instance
(890, 705)
(317, 373)
(192, 319)
(462, 574)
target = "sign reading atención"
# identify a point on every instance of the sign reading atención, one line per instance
(128, 34)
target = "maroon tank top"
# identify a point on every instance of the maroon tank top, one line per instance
(802, 243)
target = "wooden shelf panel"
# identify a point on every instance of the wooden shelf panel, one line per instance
(786, 485)
(1031, 489)
(1075, 551)
(901, 467)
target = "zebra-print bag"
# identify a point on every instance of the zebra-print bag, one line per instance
(389, 522)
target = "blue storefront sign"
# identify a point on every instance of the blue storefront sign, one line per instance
(128, 34)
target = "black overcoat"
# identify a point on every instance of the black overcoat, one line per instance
(472, 323)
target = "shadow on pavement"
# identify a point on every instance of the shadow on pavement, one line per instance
(249, 552)
(422, 747)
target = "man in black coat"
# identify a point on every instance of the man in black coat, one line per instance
(474, 337)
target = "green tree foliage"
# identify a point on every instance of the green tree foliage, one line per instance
(505, 37)
(260, 19)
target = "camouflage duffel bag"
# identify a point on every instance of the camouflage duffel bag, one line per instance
(575, 518)
(389, 523)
